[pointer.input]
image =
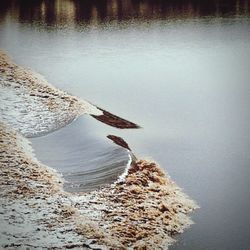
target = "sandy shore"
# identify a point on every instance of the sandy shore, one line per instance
(34, 107)
(144, 210)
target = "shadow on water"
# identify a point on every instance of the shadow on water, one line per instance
(73, 12)
(85, 160)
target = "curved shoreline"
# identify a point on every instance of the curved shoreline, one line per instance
(143, 210)
(42, 108)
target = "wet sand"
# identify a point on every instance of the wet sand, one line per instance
(144, 209)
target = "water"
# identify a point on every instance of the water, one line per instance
(85, 161)
(180, 69)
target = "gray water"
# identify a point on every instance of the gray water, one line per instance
(180, 69)
(85, 161)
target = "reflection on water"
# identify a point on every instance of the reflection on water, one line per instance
(180, 69)
(69, 12)
(85, 161)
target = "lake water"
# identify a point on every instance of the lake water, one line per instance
(180, 69)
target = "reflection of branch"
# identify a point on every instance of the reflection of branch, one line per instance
(119, 141)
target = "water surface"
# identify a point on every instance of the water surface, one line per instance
(180, 69)
(85, 161)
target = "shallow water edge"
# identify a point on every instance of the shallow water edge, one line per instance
(143, 209)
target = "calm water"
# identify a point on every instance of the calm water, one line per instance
(180, 69)
(85, 160)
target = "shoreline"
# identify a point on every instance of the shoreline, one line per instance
(143, 210)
